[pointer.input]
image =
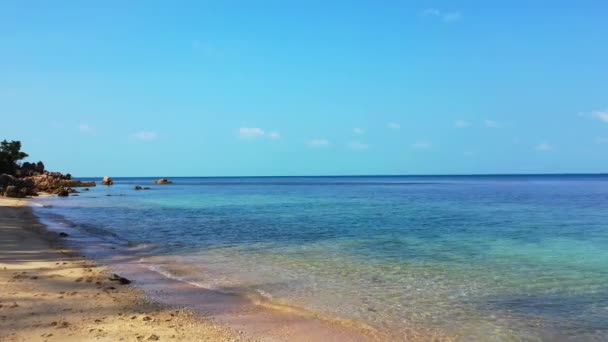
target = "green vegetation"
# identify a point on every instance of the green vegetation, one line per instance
(10, 155)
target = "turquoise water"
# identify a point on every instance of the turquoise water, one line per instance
(474, 258)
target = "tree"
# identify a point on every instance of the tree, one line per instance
(10, 154)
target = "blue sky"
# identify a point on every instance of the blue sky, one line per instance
(226, 88)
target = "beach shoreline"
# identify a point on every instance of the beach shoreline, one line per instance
(66, 296)
(50, 293)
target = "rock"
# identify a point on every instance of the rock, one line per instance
(13, 191)
(146, 188)
(121, 280)
(137, 187)
(77, 183)
(5, 180)
(63, 192)
(52, 182)
(62, 234)
(16, 187)
(86, 189)
(107, 180)
(162, 181)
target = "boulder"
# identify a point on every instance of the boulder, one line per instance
(5, 180)
(162, 181)
(32, 179)
(51, 182)
(107, 180)
(16, 187)
(137, 187)
(63, 192)
(13, 191)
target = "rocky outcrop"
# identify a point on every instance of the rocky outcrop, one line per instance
(49, 182)
(163, 181)
(52, 182)
(30, 169)
(5, 180)
(16, 187)
(63, 192)
(107, 180)
(13, 191)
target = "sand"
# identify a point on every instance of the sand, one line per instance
(51, 293)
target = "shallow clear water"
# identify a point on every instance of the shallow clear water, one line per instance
(477, 258)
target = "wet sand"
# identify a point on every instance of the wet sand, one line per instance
(51, 293)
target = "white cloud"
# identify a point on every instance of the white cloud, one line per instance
(318, 143)
(601, 140)
(461, 124)
(356, 145)
(85, 127)
(422, 144)
(601, 115)
(250, 132)
(357, 130)
(394, 125)
(491, 123)
(145, 135)
(544, 147)
(446, 17)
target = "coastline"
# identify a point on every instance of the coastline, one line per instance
(50, 293)
(66, 296)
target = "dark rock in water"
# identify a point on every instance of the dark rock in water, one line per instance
(75, 195)
(119, 279)
(63, 192)
(163, 181)
(62, 234)
(146, 188)
(107, 180)
(86, 189)
(137, 187)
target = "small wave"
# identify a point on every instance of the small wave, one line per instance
(170, 275)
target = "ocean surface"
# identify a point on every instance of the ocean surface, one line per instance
(487, 258)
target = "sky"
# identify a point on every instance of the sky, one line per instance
(255, 88)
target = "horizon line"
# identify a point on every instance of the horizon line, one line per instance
(375, 175)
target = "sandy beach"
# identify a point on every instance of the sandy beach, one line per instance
(51, 293)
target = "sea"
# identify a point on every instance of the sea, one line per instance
(473, 258)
